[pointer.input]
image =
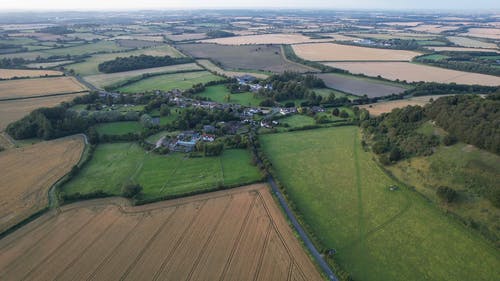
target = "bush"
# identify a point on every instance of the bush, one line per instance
(446, 194)
(449, 140)
(131, 190)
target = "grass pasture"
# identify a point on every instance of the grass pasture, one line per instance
(463, 167)
(113, 165)
(338, 52)
(360, 86)
(27, 88)
(379, 234)
(29, 172)
(218, 94)
(119, 128)
(102, 80)
(247, 57)
(169, 82)
(412, 72)
(471, 43)
(237, 234)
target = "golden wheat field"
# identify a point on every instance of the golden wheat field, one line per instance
(11, 73)
(237, 234)
(212, 67)
(28, 173)
(433, 28)
(278, 38)
(412, 72)
(338, 52)
(378, 108)
(490, 33)
(26, 88)
(12, 110)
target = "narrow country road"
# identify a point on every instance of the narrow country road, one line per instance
(308, 243)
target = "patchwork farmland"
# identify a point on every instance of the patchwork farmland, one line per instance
(29, 172)
(102, 80)
(228, 235)
(169, 82)
(36, 87)
(412, 72)
(248, 57)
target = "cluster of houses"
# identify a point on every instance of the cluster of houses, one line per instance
(185, 141)
(249, 80)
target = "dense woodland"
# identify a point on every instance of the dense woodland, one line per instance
(139, 62)
(469, 118)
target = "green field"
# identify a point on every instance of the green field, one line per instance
(297, 120)
(113, 165)
(169, 82)
(218, 94)
(119, 128)
(89, 66)
(434, 57)
(379, 234)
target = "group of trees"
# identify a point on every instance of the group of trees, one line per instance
(49, 123)
(426, 89)
(470, 118)
(290, 85)
(219, 34)
(395, 134)
(192, 118)
(139, 62)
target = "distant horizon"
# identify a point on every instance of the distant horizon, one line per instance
(159, 5)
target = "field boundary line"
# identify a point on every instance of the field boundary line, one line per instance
(177, 243)
(148, 244)
(238, 239)
(263, 252)
(45, 96)
(209, 239)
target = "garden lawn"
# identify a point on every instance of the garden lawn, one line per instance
(344, 198)
(119, 128)
(114, 165)
(170, 81)
(219, 93)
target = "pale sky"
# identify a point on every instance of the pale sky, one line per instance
(32, 5)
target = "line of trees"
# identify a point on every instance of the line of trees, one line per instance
(139, 62)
